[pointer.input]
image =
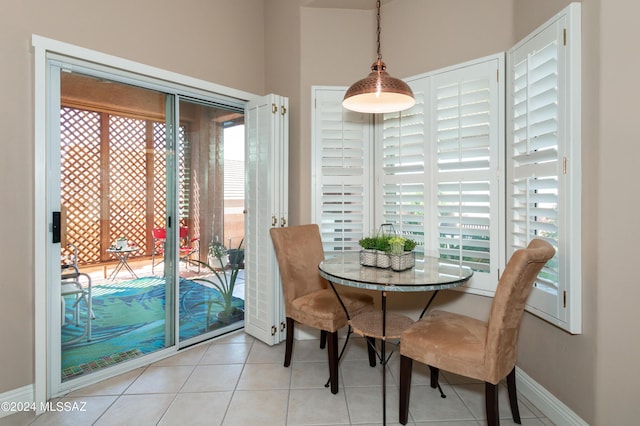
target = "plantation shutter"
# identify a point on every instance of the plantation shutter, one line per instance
(542, 145)
(466, 122)
(402, 174)
(266, 186)
(341, 171)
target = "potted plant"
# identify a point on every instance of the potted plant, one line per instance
(382, 251)
(409, 244)
(223, 279)
(236, 256)
(121, 243)
(368, 252)
(218, 255)
(401, 253)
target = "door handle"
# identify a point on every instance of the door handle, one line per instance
(55, 227)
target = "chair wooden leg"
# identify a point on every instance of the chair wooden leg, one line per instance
(491, 403)
(289, 342)
(371, 347)
(323, 339)
(332, 352)
(406, 365)
(513, 398)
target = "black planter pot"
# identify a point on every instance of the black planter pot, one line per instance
(236, 315)
(236, 257)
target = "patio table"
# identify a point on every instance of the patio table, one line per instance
(122, 254)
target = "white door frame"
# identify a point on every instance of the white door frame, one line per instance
(42, 48)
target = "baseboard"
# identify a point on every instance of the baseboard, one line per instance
(17, 398)
(554, 409)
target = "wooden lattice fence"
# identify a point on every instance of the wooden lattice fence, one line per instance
(113, 180)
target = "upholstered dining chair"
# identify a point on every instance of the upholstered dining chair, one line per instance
(307, 296)
(473, 348)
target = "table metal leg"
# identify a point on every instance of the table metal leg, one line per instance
(116, 270)
(122, 261)
(383, 357)
(383, 342)
(434, 372)
(126, 265)
(433, 296)
(349, 329)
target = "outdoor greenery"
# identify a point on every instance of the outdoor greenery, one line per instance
(224, 275)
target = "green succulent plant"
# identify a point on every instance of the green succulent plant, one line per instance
(368, 243)
(221, 281)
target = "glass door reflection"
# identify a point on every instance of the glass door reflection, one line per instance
(211, 205)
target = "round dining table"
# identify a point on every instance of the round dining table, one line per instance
(428, 274)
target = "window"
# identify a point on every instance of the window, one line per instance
(342, 171)
(543, 151)
(435, 169)
(467, 110)
(401, 164)
(439, 173)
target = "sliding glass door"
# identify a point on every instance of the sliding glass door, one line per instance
(146, 197)
(210, 205)
(115, 180)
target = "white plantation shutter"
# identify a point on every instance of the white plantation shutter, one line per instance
(401, 168)
(341, 171)
(450, 202)
(534, 154)
(543, 151)
(466, 116)
(266, 201)
(464, 223)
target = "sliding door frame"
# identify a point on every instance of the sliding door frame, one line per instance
(127, 72)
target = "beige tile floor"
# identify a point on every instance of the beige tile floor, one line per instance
(236, 380)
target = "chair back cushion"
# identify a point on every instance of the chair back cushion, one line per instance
(508, 306)
(299, 251)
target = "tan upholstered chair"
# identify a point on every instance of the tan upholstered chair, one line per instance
(307, 296)
(473, 348)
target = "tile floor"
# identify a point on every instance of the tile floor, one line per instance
(236, 380)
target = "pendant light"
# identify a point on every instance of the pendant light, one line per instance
(378, 92)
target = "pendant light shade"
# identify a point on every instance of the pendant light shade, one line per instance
(378, 92)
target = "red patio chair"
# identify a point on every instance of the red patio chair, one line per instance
(187, 246)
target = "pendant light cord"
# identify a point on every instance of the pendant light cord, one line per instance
(379, 53)
(378, 93)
